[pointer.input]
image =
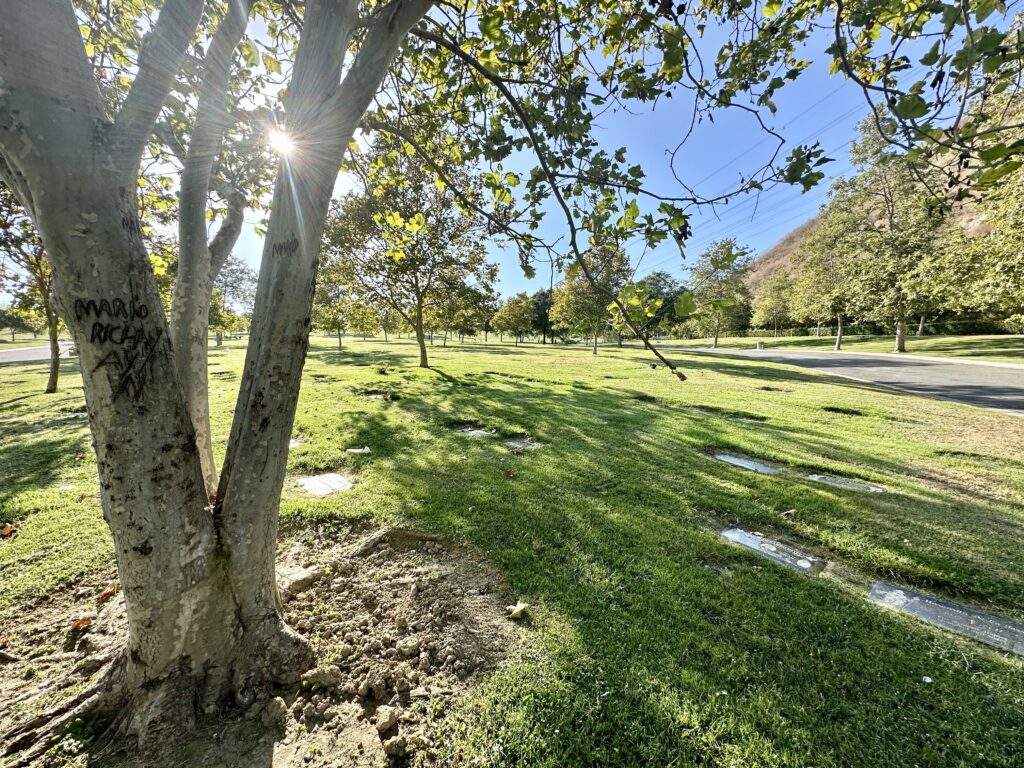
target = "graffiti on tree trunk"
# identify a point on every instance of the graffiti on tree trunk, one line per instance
(117, 323)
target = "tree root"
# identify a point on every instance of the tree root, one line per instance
(391, 536)
(33, 738)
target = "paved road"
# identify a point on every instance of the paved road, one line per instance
(30, 354)
(988, 385)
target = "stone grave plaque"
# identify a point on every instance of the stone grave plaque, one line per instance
(739, 461)
(521, 445)
(958, 618)
(473, 432)
(777, 551)
(844, 482)
(324, 485)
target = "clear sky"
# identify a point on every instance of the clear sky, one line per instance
(817, 107)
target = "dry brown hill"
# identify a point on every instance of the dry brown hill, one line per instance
(779, 256)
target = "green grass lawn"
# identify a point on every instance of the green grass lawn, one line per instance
(655, 642)
(1009, 348)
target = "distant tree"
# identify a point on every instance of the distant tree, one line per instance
(660, 287)
(825, 261)
(389, 321)
(896, 233)
(14, 321)
(773, 305)
(404, 241)
(516, 316)
(581, 305)
(722, 301)
(25, 274)
(223, 319)
(363, 319)
(542, 314)
(236, 282)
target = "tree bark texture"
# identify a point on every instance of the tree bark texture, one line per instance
(198, 579)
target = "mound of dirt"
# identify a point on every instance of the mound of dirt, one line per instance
(401, 623)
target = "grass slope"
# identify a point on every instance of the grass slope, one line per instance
(1008, 348)
(656, 642)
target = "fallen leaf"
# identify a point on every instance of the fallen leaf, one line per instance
(517, 611)
(510, 473)
(81, 623)
(104, 596)
(9, 530)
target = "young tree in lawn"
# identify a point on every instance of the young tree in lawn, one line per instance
(404, 241)
(773, 305)
(582, 305)
(363, 319)
(25, 274)
(542, 315)
(13, 320)
(488, 80)
(389, 321)
(515, 317)
(233, 296)
(721, 298)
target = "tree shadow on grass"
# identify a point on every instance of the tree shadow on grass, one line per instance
(657, 654)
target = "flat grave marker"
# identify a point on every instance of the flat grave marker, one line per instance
(473, 432)
(777, 551)
(521, 445)
(954, 617)
(844, 482)
(325, 485)
(739, 461)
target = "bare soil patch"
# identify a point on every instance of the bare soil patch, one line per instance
(401, 621)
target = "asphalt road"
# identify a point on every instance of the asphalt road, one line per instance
(30, 354)
(988, 385)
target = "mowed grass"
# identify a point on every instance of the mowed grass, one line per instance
(1008, 348)
(655, 642)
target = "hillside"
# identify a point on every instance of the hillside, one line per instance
(779, 256)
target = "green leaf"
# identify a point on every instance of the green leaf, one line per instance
(250, 53)
(271, 64)
(772, 8)
(685, 305)
(910, 107)
(490, 25)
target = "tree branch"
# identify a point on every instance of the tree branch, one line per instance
(551, 178)
(159, 61)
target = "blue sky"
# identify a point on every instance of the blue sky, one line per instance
(817, 107)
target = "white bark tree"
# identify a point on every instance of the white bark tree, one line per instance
(197, 569)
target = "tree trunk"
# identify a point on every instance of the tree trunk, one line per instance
(52, 325)
(204, 626)
(620, 338)
(817, 331)
(839, 333)
(901, 335)
(385, 335)
(595, 342)
(339, 338)
(420, 339)
(920, 326)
